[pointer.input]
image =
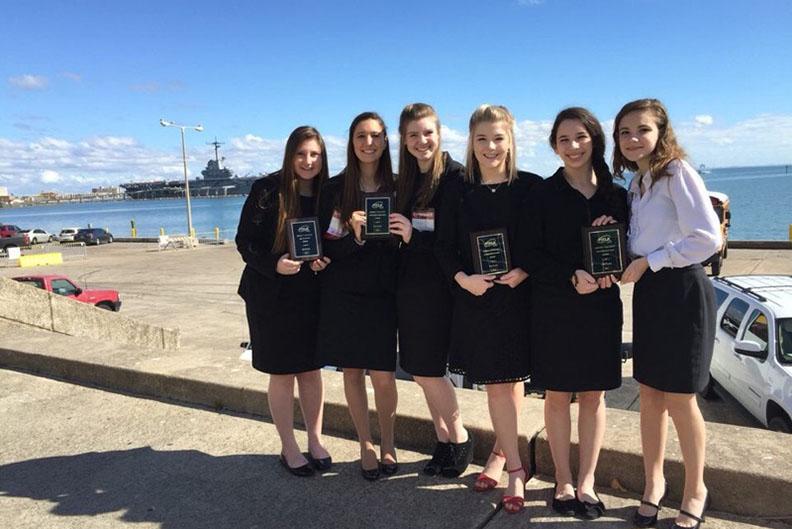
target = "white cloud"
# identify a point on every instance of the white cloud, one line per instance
(29, 82)
(110, 160)
(72, 76)
(50, 177)
(704, 119)
(530, 2)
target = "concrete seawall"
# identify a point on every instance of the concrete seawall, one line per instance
(749, 471)
(32, 306)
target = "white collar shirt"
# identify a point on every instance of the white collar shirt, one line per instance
(673, 223)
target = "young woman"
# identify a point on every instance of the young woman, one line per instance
(576, 336)
(672, 229)
(423, 297)
(282, 295)
(357, 327)
(489, 335)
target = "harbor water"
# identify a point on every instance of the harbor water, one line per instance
(761, 206)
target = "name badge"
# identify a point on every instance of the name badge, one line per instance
(337, 229)
(423, 219)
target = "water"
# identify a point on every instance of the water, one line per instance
(761, 205)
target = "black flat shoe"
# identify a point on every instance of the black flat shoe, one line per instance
(591, 511)
(389, 469)
(648, 521)
(441, 457)
(698, 519)
(321, 464)
(372, 474)
(568, 507)
(304, 471)
(461, 456)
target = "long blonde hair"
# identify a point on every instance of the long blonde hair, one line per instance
(408, 165)
(491, 114)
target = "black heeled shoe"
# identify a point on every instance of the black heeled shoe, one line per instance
(322, 464)
(370, 474)
(304, 471)
(389, 469)
(648, 521)
(565, 507)
(461, 456)
(591, 511)
(698, 519)
(440, 459)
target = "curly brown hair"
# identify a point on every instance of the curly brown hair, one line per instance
(667, 149)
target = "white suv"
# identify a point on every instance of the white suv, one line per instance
(752, 359)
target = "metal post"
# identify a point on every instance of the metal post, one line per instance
(186, 186)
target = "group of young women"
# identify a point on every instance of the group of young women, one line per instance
(546, 318)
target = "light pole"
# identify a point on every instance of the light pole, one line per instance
(198, 128)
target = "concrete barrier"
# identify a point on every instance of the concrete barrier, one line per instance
(40, 259)
(760, 245)
(32, 306)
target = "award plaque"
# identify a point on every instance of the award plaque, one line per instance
(304, 241)
(604, 250)
(377, 207)
(490, 252)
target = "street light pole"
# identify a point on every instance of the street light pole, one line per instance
(198, 128)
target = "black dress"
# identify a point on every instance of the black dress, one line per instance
(357, 324)
(576, 338)
(423, 298)
(282, 310)
(489, 335)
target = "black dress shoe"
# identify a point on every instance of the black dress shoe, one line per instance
(440, 459)
(568, 507)
(591, 511)
(304, 471)
(648, 521)
(321, 464)
(372, 474)
(389, 469)
(698, 519)
(461, 456)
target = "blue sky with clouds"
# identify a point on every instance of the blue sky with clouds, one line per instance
(84, 83)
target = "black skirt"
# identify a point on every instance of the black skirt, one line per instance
(576, 339)
(283, 333)
(358, 330)
(424, 322)
(489, 335)
(673, 329)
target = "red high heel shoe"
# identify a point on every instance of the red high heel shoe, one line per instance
(515, 504)
(484, 482)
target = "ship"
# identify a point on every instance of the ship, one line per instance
(215, 181)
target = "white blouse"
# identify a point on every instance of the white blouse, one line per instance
(673, 224)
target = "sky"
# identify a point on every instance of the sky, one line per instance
(83, 84)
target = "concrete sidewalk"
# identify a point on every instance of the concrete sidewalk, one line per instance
(75, 457)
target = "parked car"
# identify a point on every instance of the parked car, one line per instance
(752, 360)
(67, 234)
(720, 203)
(38, 236)
(9, 230)
(14, 241)
(104, 299)
(95, 236)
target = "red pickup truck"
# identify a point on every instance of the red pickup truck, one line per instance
(104, 299)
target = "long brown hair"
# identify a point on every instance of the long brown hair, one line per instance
(289, 199)
(351, 195)
(667, 149)
(594, 129)
(409, 172)
(491, 114)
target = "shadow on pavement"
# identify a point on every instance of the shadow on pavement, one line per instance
(192, 489)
